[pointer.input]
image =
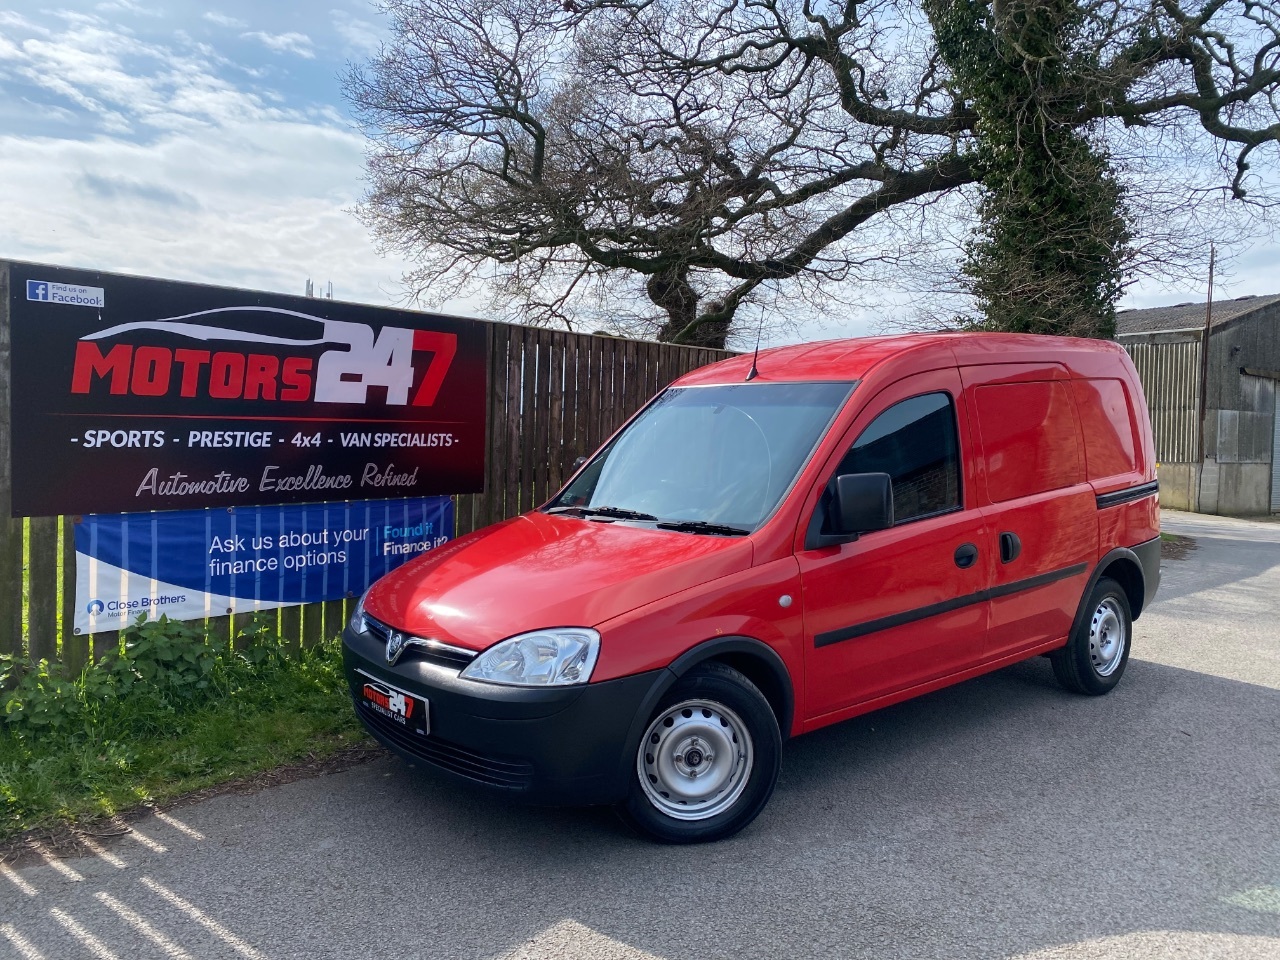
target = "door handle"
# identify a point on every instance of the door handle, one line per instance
(966, 554)
(1010, 547)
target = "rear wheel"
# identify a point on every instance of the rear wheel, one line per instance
(1098, 651)
(708, 761)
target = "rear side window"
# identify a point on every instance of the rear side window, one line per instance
(1109, 444)
(914, 442)
(1029, 438)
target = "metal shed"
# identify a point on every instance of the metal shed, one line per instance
(1222, 456)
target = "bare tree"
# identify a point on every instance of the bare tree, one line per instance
(577, 159)
(571, 158)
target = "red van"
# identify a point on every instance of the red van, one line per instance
(768, 547)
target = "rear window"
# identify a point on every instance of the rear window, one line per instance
(1109, 444)
(1029, 438)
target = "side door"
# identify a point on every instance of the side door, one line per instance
(1041, 511)
(902, 606)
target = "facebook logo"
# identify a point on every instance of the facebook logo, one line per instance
(69, 294)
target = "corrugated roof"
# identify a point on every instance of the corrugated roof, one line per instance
(1185, 316)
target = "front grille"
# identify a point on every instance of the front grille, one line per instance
(508, 774)
(443, 655)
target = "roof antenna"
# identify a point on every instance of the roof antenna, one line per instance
(753, 372)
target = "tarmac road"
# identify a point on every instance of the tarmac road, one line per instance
(999, 818)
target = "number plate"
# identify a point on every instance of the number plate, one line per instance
(398, 706)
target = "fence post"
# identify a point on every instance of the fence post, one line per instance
(291, 628)
(312, 624)
(218, 630)
(75, 647)
(10, 529)
(333, 619)
(42, 589)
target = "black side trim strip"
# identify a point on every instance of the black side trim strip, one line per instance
(1053, 576)
(946, 606)
(1117, 497)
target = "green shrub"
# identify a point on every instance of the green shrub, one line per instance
(170, 665)
(35, 697)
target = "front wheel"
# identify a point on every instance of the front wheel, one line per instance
(708, 761)
(1098, 651)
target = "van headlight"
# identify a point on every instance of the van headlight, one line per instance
(356, 623)
(558, 657)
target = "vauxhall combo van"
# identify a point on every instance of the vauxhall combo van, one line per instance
(769, 546)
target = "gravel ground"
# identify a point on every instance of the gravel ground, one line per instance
(999, 818)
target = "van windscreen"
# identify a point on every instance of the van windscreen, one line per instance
(722, 455)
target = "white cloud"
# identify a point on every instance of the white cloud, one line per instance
(222, 20)
(295, 43)
(362, 36)
(124, 83)
(110, 187)
(261, 204)
(170, 170)
(128, 6)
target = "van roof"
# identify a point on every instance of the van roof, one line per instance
(854, 359)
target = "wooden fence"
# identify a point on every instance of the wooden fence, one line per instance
(553, 397)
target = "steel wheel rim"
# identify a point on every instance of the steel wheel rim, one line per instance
(1107, 637)
(695, 760)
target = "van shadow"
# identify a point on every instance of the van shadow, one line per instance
(999, 817)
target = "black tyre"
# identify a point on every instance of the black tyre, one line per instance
(1094, 658)
(708, 760)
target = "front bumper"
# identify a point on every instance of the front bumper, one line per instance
(548, 745)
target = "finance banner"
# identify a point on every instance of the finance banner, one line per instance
(131, 394)
(193, 564)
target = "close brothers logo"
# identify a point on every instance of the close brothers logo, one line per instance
(120, 608)
(409, 364)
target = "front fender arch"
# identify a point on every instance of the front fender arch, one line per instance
(758, 661)
(761, 660)
(763, 664)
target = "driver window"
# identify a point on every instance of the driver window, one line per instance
(915, 443)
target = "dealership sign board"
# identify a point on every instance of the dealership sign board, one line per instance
(192, 564)
(132, 394)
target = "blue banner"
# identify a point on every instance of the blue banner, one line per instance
(192, 564)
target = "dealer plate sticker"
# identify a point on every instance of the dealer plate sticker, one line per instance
(66, 293)
(398, 706)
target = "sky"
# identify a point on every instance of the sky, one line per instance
(212, 144)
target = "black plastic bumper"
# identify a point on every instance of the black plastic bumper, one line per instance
(568, 745)
(1149, 557)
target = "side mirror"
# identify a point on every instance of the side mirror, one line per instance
(578, 463)
(863, 502)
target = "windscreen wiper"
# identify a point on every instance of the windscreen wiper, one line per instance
(613, 513)
(701, 526)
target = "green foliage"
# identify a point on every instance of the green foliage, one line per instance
(162, 660)
(1049, 253)
(36, 698)
(170, 654)
(170, 712)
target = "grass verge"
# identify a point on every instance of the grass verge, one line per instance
(153, 740)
